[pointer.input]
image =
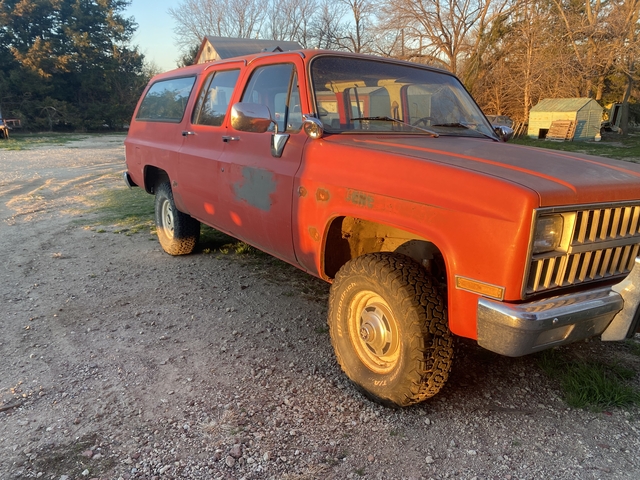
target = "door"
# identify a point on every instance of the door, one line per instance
(201, 174)
(260, 185)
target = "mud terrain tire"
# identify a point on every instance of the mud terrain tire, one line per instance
(178, 233)
(388, 327)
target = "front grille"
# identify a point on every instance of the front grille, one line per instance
(604, 243)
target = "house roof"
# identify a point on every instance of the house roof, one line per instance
(227, 47)
(562, 104)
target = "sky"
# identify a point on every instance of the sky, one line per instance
(154, 36)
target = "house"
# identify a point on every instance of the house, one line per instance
(218, 48)
(565, 119)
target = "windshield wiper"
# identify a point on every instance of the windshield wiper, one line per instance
(465, 126)
(395, 120)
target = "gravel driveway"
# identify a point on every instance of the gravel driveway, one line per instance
(119, 361)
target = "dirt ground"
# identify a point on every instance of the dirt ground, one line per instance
(119, 361)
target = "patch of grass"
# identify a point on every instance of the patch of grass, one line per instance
(67, 459)
(589, 384)
(128, 210)
(622, 148)
(634, 347)
(28, 141)
(212, 240)
(238, 247)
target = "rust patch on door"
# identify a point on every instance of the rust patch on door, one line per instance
(256, 188)
(359, 198)
(322, 195)
(314, 233)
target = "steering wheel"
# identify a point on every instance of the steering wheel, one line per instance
(424, 121)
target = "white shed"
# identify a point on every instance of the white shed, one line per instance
(584, 113)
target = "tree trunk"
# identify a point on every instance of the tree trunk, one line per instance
(624, 118)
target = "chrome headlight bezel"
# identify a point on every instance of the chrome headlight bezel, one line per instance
(547, 234)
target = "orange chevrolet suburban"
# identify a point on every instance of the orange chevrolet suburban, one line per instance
(384, 178)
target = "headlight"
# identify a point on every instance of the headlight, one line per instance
(548, 234)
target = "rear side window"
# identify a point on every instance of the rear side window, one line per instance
(166, 100)
(214, 98)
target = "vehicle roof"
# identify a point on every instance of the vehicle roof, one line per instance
(307, 54)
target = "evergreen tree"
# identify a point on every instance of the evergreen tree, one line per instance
(68, 64)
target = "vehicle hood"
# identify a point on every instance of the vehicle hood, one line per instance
(559, 178)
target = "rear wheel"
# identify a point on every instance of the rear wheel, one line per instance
(388, 327)
(178, 233)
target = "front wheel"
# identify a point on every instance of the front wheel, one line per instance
(388, 327)
(178, 232)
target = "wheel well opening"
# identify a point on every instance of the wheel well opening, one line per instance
(351, 237)
(152, 177)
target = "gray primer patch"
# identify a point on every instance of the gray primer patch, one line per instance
(256, 187)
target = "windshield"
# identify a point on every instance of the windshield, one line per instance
(359, 95)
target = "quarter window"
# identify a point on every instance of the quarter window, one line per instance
(166, 100)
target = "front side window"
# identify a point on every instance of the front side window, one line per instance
(355, 95)
(276, 86)
(214, 97)
(166, 100)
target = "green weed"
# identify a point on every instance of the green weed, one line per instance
(212, 240)
(28, 141)
(589, 384)
(239, 248)
(634, 347)
(126, 210)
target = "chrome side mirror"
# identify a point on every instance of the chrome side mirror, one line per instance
(250, 117)
(504, 133)
(256, 118)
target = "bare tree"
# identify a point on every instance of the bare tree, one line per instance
(442, 31)
(195, 19)
(524, 62)
(357, 36)
(245, 18)
(326, 26)
(586, 31)
(625, 18)
(290, 20)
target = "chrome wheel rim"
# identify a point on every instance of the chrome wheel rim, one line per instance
(373, 331)
(166, 215)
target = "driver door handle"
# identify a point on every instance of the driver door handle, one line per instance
(187, 133)
(227, 138)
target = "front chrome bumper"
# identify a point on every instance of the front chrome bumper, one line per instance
(519, 329)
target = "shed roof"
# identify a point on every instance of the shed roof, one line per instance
(227, 47)
(562, 104)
